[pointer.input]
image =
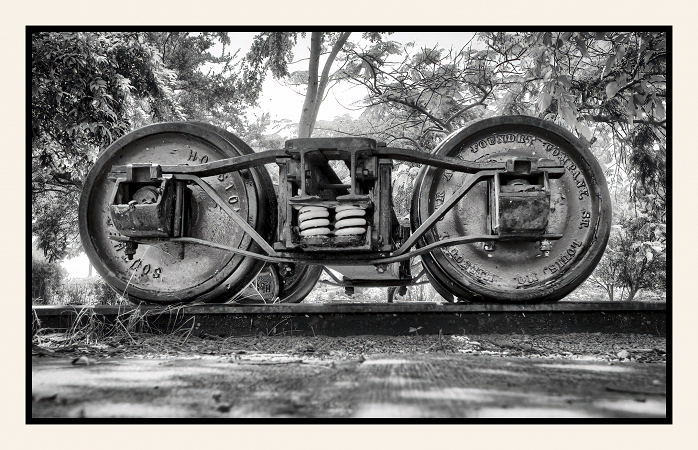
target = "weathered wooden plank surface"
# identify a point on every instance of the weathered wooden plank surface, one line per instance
(399, 386)
(489, 387)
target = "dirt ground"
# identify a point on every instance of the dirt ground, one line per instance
(154, 376)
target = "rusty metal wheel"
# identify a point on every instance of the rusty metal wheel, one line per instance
(517, 270)
(295, 287)
(174, 273)
(270, 287)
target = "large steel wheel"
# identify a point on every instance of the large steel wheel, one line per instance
(516, 271)
(173, 273)
(271, 287)
(297, 286)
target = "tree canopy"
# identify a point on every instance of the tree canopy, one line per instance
(273, 52)
(85, 88)
(90, 88)
(610, 82)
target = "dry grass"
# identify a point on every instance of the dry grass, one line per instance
(83, 291)
(90, 329)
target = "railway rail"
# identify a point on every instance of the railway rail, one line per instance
(345, 319)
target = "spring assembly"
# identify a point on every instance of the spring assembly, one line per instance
(349, 220)
(313, 221)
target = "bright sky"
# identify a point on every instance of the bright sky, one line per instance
(282, 103)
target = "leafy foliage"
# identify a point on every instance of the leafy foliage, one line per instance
(46, 277)
(273, 52)
(270, 51)
(207, 88)
(603, 82)
(85, 87)
(81, 87)
(55, 216)
(256, 134)
(420, 96)
(635, 258)
(87, 291)
(90, 88)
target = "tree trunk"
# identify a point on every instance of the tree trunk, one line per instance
(317, 86)
(305, 126)
(632, 292)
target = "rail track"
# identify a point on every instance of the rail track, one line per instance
(350, 319)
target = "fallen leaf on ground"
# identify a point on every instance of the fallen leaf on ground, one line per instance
(81, 361)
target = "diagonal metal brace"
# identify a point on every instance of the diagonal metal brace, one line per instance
(439, 213)
(233, 215)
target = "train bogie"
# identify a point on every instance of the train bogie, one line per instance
(510, 209)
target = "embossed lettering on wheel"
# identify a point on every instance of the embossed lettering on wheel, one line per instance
(518, 270)
(170, 272)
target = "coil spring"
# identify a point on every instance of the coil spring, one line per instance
(349, 220)
(313, 221)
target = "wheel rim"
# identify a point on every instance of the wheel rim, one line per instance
(515, 271)
(294, 288)
(271, 287)
(156, 273)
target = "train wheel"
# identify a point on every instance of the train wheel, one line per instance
(270, 287)
(174, 273)
(514, 271)
(297, 286)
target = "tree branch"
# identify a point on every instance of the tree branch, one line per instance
(481, 102)
(324, 78)
(421, 110)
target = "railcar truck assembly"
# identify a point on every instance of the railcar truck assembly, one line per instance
(506, 209)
